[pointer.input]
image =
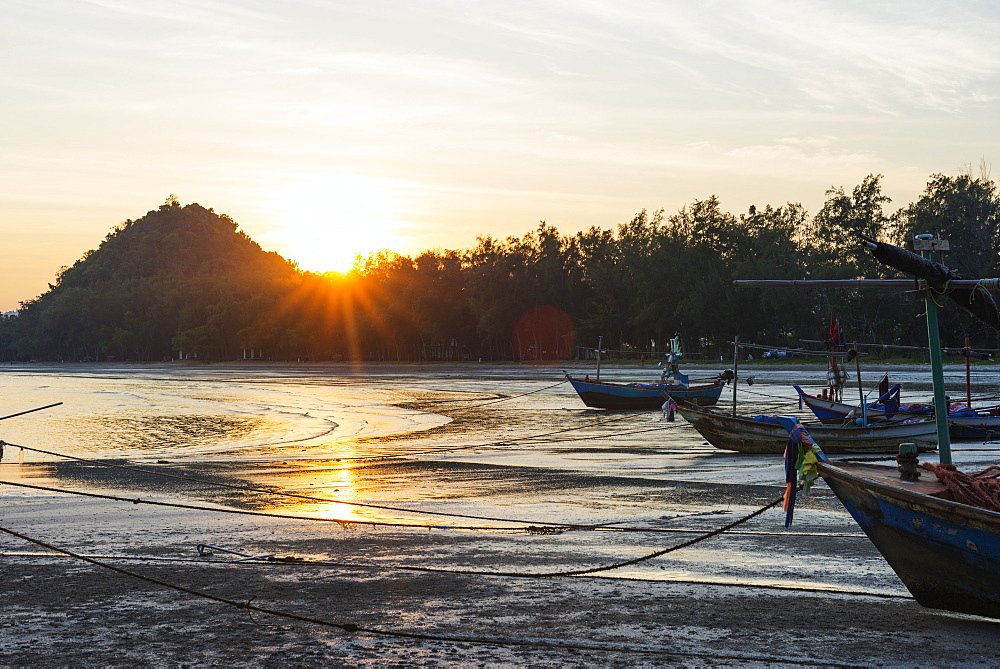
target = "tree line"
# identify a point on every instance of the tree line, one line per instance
(184, 281)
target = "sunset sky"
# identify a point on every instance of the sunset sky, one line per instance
(329, 128)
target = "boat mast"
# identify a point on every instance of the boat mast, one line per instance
(926, 245)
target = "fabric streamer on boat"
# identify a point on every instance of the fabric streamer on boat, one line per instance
(981, 489)
(976, 300)
(801, 455)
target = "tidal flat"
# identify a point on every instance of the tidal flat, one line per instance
(431, 514)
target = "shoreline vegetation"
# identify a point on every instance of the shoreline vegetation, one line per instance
(186, 282)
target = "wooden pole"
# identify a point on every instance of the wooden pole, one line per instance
(600, 343)
(937, 371)
(736, 369)
(968, 374)
(861, 390)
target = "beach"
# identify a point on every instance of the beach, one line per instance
(430, 514)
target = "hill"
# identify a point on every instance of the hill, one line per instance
(181, 278)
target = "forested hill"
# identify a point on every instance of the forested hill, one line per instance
(178, 273)
(185, 280)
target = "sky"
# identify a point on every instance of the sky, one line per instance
(328, 128)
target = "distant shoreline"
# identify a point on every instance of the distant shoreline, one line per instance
(465, 367)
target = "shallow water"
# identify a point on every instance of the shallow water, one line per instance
(504, 415)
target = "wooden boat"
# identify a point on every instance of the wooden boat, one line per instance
(946, 553)
(963, 422)
(760, 436)
(604, 395)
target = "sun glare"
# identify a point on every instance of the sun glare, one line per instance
(326, 222)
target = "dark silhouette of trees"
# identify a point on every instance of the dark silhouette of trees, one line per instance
(185, 281)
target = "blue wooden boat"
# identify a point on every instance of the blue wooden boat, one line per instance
(946, 553)
(604, 395)
(964, 423)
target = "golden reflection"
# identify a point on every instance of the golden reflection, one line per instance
(336, 485)
(165, 433)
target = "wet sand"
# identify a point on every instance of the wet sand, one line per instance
(816, 593)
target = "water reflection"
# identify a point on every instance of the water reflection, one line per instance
(168, 433)
(187, 413)
(335, 484)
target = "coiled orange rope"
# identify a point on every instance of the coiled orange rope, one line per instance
(981, 489)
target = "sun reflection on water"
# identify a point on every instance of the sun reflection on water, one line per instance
(336, 484)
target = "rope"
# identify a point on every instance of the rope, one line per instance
(549, 528)
(511, 397)
(989, 284)
(603, 421)
(674, 426)
(234, 486)
(247, 512)
(273, 562)
(352, 628)
(575, 572)
(525, 439)
(981, 489)
(650, 556)
(389, 457)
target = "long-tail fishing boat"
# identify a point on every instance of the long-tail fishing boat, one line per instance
(600, 394)
(604, 395)
(945, 551)
(964, 422)
(765, 435)
(941, 537)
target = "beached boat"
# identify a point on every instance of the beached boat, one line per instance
(604, 395)
(946, 553)
(766, 435)
(963, 421)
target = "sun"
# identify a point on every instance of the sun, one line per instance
(324, 223)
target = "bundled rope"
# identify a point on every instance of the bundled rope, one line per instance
(981, 489)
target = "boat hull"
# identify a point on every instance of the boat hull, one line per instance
(600, 395)
(947, 554)
(959, 427)
(748, 436)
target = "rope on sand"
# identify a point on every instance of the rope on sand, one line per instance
(577, 572)
(274, 562)
(525, 440)
(355, 629)
(311, 498)
(650, 556)
(503, 399)
(539, 528)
